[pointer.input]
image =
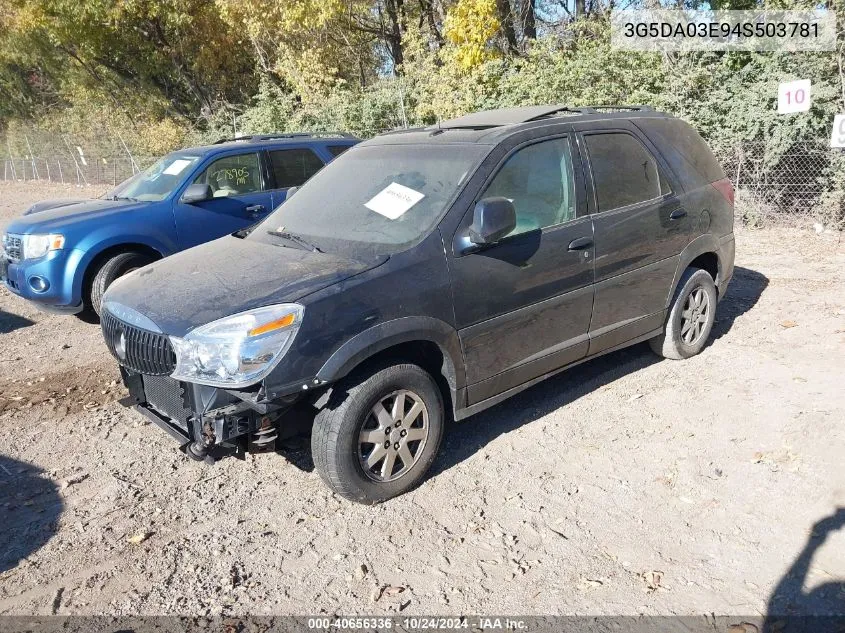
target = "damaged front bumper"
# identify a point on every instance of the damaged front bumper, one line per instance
(208, 421)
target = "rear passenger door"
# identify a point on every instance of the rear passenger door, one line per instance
(290, 167)
(640, 229)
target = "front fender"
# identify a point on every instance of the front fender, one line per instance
(389, 333)
(98, 242)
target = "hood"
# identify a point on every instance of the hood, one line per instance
(53, 204)
(60, 218)
(227, 276)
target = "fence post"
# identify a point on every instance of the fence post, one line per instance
(32, 158)
(78, 170)
(131, 158)
(11, 159)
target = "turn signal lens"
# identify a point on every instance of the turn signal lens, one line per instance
(278, 324)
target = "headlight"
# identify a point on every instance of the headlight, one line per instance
(35, 246)
(239, 350)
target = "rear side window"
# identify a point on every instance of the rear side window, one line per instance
(684, 149)
(337, 150)
(624, 171)
(292, 167)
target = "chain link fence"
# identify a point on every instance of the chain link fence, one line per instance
(805, 182)
(101, 170)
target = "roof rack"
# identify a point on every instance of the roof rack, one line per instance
(252, 138)
(510, 116)
(597, 109)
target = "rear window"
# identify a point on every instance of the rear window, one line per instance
(292, 167)
(337, 150)
(687, 153)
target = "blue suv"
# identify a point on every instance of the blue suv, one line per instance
(63, 254)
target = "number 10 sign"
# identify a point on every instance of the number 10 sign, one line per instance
(794, 96)
(837, 139)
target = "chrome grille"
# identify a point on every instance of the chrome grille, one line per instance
(140, 350)
(13, 245)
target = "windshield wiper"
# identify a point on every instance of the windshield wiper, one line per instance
(293, 237)
(124, 198)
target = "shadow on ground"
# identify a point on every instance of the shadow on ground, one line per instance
(744, 291)
(30, 507)
(790, 605)
(10, 322)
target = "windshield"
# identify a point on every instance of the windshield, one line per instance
(156, 182)
(378, 199)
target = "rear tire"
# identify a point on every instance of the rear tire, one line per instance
(112, 268)
(690, 318)
(368, 471)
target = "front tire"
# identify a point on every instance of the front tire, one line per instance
(112, 268)
(379, 433)
(690, 318)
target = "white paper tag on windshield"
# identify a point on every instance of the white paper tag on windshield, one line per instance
(394, 200)
(177, 167)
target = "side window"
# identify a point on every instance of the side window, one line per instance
(337, 150)
(624, 171)
(292, 167)
(233, 175)
(540, 182)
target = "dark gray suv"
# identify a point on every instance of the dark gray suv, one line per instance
(425, 274)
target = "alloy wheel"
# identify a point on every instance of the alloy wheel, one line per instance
(695, 315)
(393, 436)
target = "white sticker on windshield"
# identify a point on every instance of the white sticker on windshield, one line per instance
(394, 200)
(176, 167)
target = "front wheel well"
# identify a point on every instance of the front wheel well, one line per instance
(102, 257)
(423, 353)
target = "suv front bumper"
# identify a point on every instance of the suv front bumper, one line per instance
(55, 269)
(205, 416)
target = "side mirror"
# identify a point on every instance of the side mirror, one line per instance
(196, 192)
(493, 219)
(289, 193)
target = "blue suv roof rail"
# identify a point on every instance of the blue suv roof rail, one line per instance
(254, 138)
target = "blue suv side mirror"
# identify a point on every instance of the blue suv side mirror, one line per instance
(197, 192)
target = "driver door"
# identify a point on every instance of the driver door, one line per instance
(523, 305)
(239, 199)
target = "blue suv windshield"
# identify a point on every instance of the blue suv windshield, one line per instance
(378, 198)
(157, 182)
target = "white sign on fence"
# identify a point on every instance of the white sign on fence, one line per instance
(837, 137)
(794, 96)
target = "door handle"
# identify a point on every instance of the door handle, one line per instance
(677, 214)
(580, 243)
(255, 210)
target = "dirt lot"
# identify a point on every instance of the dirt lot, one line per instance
(627, 485)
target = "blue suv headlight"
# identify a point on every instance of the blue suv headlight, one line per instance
(35, 246)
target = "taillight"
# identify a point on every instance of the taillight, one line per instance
(725, 187)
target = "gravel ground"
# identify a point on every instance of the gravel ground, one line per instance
(628, 485)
